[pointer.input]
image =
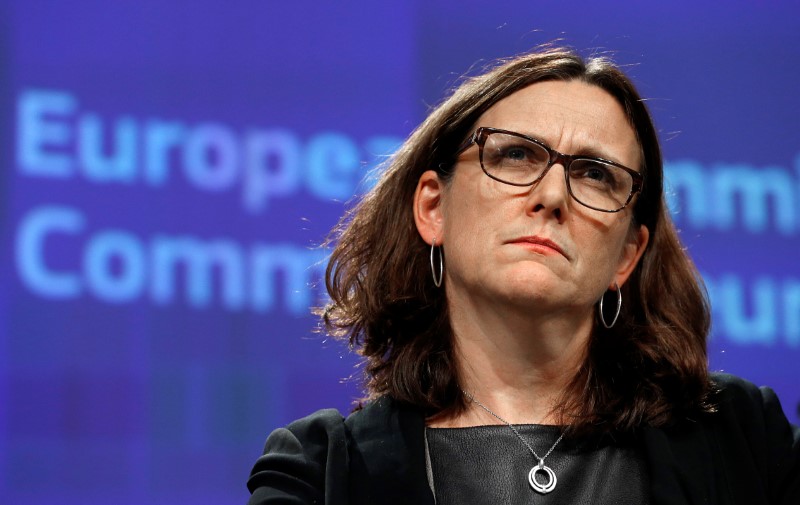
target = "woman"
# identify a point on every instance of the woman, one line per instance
(531, 326)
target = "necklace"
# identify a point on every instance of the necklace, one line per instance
(541, 467)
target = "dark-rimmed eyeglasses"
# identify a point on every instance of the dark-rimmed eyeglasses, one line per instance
(516, 159)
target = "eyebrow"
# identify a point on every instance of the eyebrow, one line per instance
(591, 151)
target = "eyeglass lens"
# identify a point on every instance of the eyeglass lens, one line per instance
(521, 162)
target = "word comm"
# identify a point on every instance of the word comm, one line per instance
(117, 266)
(731, 196)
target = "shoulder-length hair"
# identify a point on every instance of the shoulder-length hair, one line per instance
(648, 370)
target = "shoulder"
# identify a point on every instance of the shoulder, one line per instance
(297, 459)
(746, 451)
(753, 411)
(750, 425)
(327, 428)
(380, 416)
(735, 389)
(754, 408)
(312, 459)
(320, 428)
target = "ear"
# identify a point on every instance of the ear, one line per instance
(428, 207)
(631, 254)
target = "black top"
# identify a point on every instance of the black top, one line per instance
(492, 463)
(746, 453)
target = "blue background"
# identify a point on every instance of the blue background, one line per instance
(170, 167)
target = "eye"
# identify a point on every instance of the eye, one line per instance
(517, 153)
(598, 173)
(509, 155)
(511, 151)
(595, 173)
(513, 159)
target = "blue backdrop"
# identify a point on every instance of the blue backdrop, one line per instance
(170, 167)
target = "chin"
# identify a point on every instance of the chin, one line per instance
(533, 280)
(539, 285)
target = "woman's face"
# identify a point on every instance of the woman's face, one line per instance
(535, 246)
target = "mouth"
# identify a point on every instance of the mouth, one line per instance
(539, 244)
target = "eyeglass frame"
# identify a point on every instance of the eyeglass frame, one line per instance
(480, 135)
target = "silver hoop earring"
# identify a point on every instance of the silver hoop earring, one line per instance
(616, 314)
(437, 280)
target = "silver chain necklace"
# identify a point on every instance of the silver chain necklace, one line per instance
(541, 467)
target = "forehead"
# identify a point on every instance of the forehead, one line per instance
(571, 116)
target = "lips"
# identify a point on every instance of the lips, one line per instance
(539, 241)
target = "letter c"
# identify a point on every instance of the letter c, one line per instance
(34, 229)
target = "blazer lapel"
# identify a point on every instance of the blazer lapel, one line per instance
(387, 455)
(681, 467)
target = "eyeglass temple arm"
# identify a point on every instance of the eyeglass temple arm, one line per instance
(463, 147)
(467, 143)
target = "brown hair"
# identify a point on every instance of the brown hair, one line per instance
(649, 369)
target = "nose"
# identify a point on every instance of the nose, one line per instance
(549, 196)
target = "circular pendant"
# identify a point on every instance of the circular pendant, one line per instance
(551, 479)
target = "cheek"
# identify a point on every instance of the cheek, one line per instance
(468, 225)
(471, 222)
(463, 204)
(603, 243)
(619, 249)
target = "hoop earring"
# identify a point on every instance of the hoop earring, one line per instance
(619, 307)
(437, 280)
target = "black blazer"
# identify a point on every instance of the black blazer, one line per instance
(746, 453)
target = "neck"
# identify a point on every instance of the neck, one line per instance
(515, 361)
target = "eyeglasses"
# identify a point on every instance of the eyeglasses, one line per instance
(519, 160)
